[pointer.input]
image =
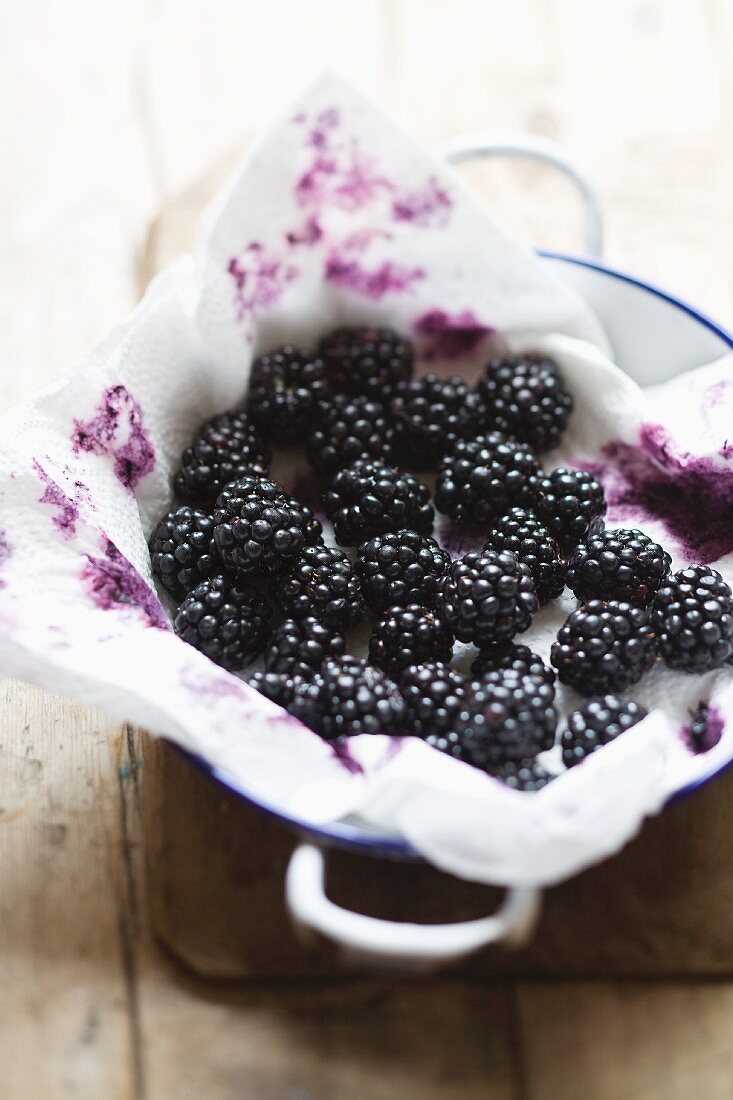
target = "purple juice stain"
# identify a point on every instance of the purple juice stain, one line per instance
(309, 233)
(6, 552)
(67, 509)
(117, 429)
(339, 174)
(427, 207)
(450, 336)
(343, 754)
(692, 497)
(112, 582)
(260, 279)
(704, 730)
(388, 278)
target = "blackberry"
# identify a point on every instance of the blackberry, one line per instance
(369, 361)
(693, 614)
(225, 619)
(322, 583)
(226, 447)
(618, 565)
(571, 505)
(523, 534)
(409, 636)
(284, 390)
(527, 775)
(506, 718)
(258, 528)
(514, 658)
(597, 722)
(704, 730)
(488, 597)
(433, 694)
(399, 568)
(301, 698)
(358, 698)
(525, 398)
(371, 498)
(180, 550)
(349, 429)
(299, 647)
(429, 415)
(604, 646)
(480, 479)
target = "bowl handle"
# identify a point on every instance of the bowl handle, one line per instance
(531, 147)
(394, 945)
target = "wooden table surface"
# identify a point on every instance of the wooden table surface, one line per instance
(108, 112)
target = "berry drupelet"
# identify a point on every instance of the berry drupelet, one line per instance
(321, 583)
(284, 390)
(693, 614)
(604, 646)
(358, 698)
(480, 479)
(507, 718)
(299, 647)
(226, 620)
(618, 565)
(429, 415)
(301, 698)
(226, 447)
(571, 505)
(181, 553)
(258, 528)
(525, 398)
(527, 775)
(369, 361)
(407, 636)
(488, 597)
(371, 498)
(522, 533)
(597, 722)
(348, 429)
(433, 694)
(399, 568)
(511, 658)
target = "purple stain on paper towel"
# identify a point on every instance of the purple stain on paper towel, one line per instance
(704, 730)
(309, 233)
(66, 501)
(118, 429)
(341, 269)
(692, 497)
(260, 279)
(216, 685)
(428, 207)
(113, 583)
(715, 394)
(342, 751)
(450, 336)
(6, 552)
(339, 173)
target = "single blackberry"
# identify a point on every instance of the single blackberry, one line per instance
(284, 390)
(371, 498)
(409, 636)
(525, 398)
(368, 361)
(226, 447)
(399, 568)
(571, 505)
(604, 646)
(349, 429)
(597, 722)
(514, 658)
(299, 647)
(258, 528)
(693, 614)
(705, 728)
(618, 565)
(433, 694)
(527, 775)
(225, 619)
(429, 415)
(301, 698)
(358, 698)
(488, 598)
(480, 479)
(523, 534)
(181, 553)
(321, 583)
(506, 718)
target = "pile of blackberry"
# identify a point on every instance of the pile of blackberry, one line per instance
(367, 424)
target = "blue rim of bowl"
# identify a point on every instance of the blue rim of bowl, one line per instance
(353, 837)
